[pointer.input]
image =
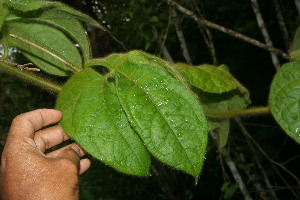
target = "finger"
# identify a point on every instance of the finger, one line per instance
(84, 165)
(72, 153)
(26, 124)
(55, 153)
(50, 137)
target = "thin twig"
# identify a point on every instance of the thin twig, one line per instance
(282, 26)
(257, 160)
(207, 36)
(253, 178)
(244, 130)
(264, 32)
(233, 168)
(163, 49)
(227, 31)
(21, 67)
(297, 4)
(181, 38)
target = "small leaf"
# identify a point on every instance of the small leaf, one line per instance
(166, 115)
(226, 101)
(284, 99)
(208, 78)
(295, 47)
(50, 39)
(154, 19)
(93, 117)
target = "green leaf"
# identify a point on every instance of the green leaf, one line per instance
(166, 115)
(284, 99)
(93, 117)
(69, 25)
(208, 78)
(26, 5)
(2, 14)
(215, 103)
(48, 38)
(295, 47)
(31, 5)
(218, 91)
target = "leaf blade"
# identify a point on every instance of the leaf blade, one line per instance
(69, 25)
(166, 115)
(284, 99)
(50, 39)
(208, 78)
(94, 118)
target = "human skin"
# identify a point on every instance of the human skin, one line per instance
(27, 173)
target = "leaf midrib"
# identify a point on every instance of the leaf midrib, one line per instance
(135, 83)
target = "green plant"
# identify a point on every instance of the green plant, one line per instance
(125, 107)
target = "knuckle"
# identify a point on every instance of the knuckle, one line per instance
(67, 164)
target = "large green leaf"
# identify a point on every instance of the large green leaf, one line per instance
(50, 39)
(284, 99)
(69, 25)
(166, 115)
(92, 116)
(208, 78)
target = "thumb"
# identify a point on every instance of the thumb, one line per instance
(72, 154)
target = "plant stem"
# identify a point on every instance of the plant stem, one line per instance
(235, 113)
(29, 77)
(226, 30)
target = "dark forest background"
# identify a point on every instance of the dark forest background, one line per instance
(257, 147)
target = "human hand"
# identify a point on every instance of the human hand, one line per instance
(28, 173)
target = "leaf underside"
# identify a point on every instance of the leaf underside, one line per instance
(48, 38)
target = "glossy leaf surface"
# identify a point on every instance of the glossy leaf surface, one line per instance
(284, 99)
(166, 115)
(92, 116)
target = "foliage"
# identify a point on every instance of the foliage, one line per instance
(284, 99)
(125, 108)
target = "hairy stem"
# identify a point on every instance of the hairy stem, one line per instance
(29, 77)
(235, 113)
